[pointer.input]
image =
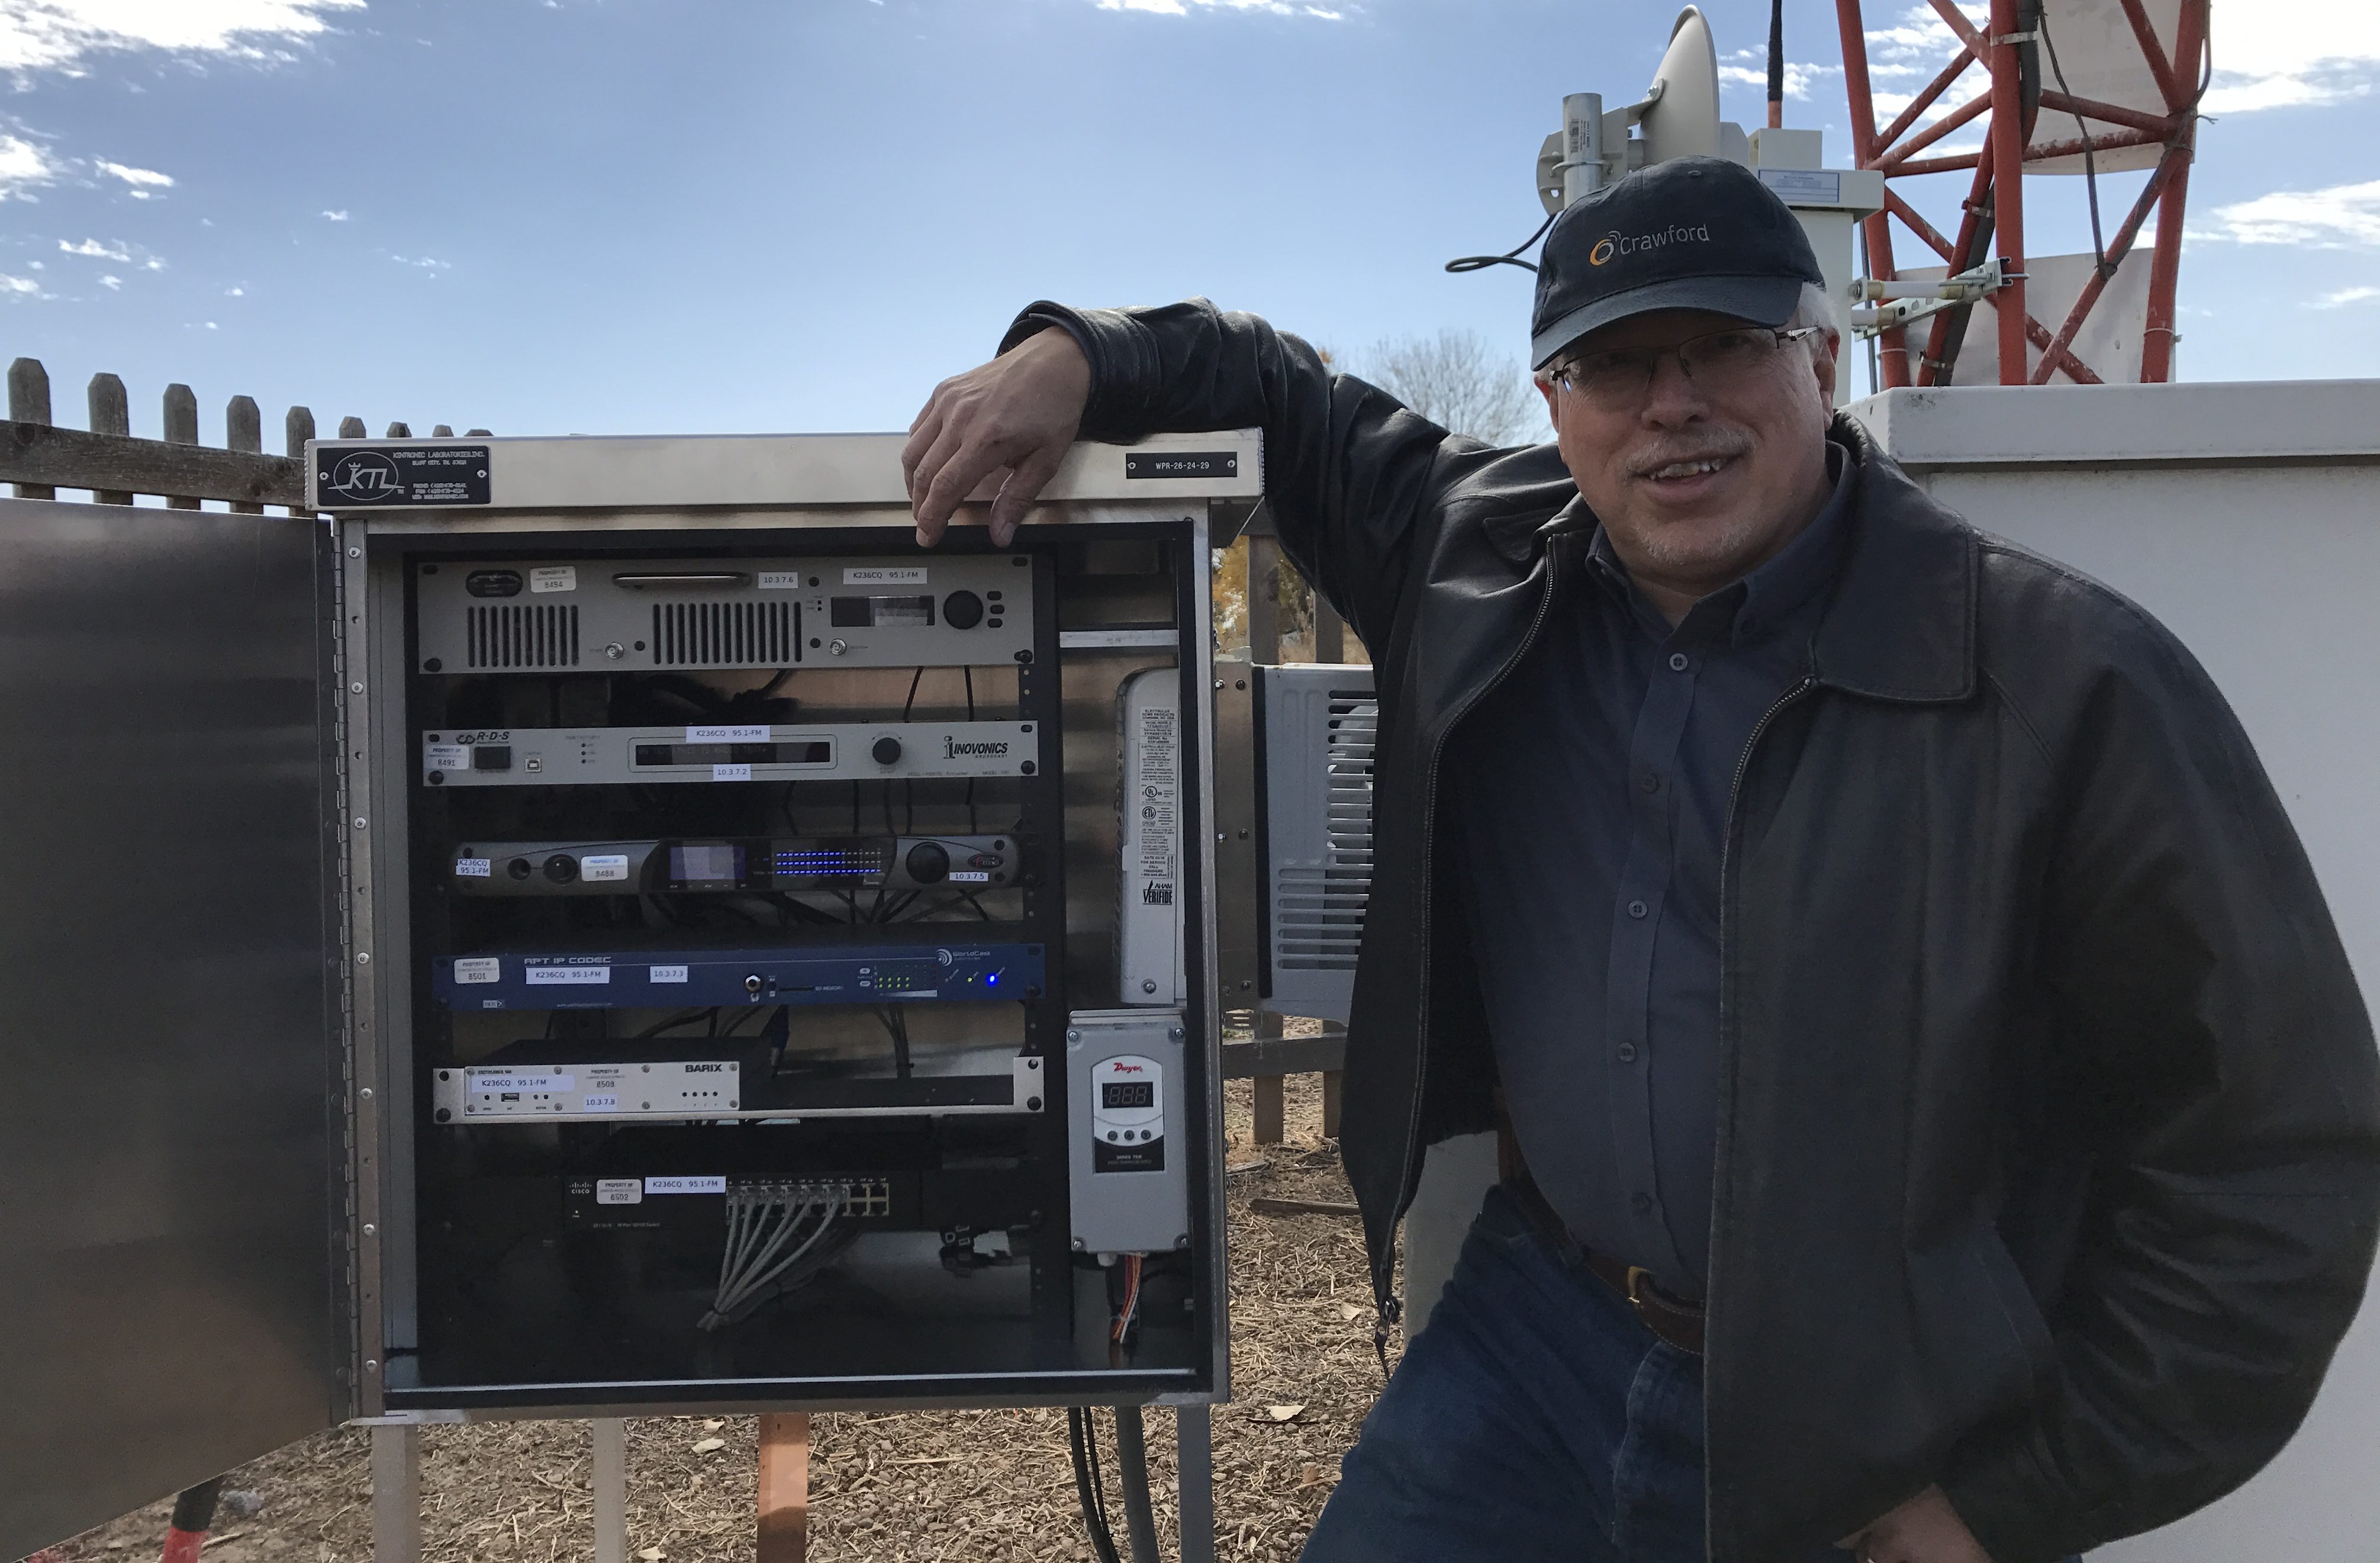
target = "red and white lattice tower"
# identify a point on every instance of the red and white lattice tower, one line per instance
(2137, 68)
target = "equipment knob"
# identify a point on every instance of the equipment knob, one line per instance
(519, 868)
(752, 984)
(561, 868)
(836, 648)
(963, 610)
(887, 750)
(929, 864)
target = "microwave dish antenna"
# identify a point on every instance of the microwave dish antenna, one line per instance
(1678, 116)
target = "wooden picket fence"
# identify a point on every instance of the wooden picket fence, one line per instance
(40, 458)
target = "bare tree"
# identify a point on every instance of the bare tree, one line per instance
(1456, 381)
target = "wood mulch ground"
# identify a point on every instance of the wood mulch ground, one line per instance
(953, 1486)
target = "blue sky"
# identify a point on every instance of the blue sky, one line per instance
(644, 215)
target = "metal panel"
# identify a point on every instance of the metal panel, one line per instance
(2100, 426)
(1239, 961)
(167, 1136)
(2241, 515)
(1314, 766)
(695, 473)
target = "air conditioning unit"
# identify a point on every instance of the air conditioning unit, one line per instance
(1314, 725)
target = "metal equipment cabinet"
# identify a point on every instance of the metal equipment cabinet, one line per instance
(353, 861)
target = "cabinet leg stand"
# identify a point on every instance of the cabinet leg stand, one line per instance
(784, 1487)
(610, 1436)
(1332, 1083)
(1195, 1470)
(396, 1494)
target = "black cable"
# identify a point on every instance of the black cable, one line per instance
(1095, 1525)
(968, 673)
(2090, 163)
(1776, 57)
(674, 1023)
(1132, 1475)
(896, 1025)
(1509, 258)
(1099, 1479)
(910, 704)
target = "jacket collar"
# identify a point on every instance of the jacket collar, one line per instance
(1901, 623)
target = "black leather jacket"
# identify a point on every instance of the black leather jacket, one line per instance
(2050, 1130)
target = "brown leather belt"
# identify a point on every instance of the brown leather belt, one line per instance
(1672, 1320)
(1680, 1324)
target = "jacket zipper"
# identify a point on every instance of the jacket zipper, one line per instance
(1390, 1308)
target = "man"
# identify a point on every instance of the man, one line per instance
(1887, 963)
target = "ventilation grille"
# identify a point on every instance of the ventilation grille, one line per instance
(522, 635)
(722, 634)
(1318, 913)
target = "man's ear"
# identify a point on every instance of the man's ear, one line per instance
(1823, 348)
(1553, 404)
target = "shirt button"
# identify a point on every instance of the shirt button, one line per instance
(1642, 1205)
(1637, 908)
(1649, 782)
(1677, 662)
(1627, 1052)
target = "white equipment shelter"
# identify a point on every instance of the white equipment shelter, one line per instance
(2242, 516)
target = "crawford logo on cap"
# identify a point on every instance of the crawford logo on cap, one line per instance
(1618, 243)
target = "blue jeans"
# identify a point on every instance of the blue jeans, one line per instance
(1535, 1418)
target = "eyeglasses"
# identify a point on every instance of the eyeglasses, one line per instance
(1717, 361)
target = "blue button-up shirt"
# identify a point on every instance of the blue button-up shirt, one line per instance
(1591, 791)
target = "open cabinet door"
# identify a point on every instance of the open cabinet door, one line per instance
(172, 1226)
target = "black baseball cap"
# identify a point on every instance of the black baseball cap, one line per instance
(1692, 233)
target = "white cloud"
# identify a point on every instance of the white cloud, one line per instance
(2333, 218)
(2294, 53)
(96, 250)
(423, 261)
(2343, 298)
(236, 293)
(111, 283)
(1799, 78)
(20, 287)
(23, 165)
(142, 180)
(339, 216)
(55, 34)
